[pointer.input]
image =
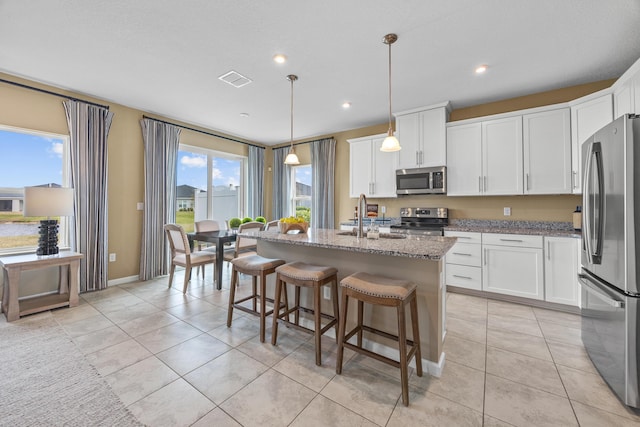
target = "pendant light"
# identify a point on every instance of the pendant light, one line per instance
(292, 158)
(390, 143)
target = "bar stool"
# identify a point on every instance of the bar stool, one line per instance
(383, 291)
(255, 266)
(300, 275)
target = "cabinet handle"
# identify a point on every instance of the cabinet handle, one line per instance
(574, 179)
(511, 240)
(417, 157)
(421, 157)
(373, 188)
(479, 184)
(527, 182)
(485, 184)
(462, 277)
(485, 257)
(549, 250)
(460, 253)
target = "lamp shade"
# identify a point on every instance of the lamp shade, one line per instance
(390, 144)
(292, 158)
(48, 201)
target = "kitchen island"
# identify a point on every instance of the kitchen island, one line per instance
(414, 258)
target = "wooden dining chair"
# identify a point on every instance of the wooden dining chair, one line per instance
(204, 226)
(181, 254)
(244, 245)
(272, 226)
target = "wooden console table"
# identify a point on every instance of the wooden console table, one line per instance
(13, 266)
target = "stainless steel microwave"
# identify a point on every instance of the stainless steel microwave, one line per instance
(421, 181)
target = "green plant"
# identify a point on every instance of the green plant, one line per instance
(246, 219)
(235, 222)
(261, 219)
(304, 212)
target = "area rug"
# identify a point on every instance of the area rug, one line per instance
(45, 380)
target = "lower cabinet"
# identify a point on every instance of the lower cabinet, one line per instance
(520, 265)
(561, 270)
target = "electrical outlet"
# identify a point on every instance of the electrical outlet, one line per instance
(140, 206)
(383, 209)
(112, 257)
(507, 211)
(327, 292)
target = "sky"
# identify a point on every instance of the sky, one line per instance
(28, 160)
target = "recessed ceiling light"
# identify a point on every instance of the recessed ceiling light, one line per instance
(244, 114)
(280, 58)
(346, 105)
(481, 69)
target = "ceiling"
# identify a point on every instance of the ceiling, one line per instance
(164, 57)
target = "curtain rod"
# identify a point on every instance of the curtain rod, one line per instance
(204, 132)
(304, 142)
(48, 92)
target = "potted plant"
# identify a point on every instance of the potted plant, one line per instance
(246, 219)
(261, 219)
(234, 223)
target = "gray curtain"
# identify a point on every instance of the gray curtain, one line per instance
(161, 142)
(256, 182)
(281, 184)
(323, 162)
(89, 129)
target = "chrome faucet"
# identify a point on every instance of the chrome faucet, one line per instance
(360, 211)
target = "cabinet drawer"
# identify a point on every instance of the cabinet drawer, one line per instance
(464, 276)
(519, 240)
(465, 236)
(465, 254)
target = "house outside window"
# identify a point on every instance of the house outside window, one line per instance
(210, 185)
(301, 191)
(29, 158)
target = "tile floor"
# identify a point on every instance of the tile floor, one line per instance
(173, 361)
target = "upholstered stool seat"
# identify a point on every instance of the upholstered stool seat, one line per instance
(254, 266)
(299, 275)
(382, 291)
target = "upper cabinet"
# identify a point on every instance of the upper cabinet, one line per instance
(626, 92)
(485, 158)
(371, 171)
(588, 114)
(422, 135)
(547, 152)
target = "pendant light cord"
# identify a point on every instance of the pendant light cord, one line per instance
(292, 112)
(389, 88)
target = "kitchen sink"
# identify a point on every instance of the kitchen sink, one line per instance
(382, 235)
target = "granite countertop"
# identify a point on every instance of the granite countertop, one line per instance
(535, 228)
(386, 222)
(421, 247)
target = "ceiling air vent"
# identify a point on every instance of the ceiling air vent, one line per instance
(235, 79)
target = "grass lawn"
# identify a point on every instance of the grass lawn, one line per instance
(185, 219)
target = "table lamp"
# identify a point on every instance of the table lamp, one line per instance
(48, 201)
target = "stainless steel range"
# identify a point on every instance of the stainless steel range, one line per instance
(422, 221)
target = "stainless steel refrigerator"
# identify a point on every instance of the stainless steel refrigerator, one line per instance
(610, 243)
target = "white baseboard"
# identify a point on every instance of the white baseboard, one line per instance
(122, 280)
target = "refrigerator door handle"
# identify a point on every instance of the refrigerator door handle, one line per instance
(594, 255)
(587, 282)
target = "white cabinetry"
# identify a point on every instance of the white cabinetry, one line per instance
(485, 158)
(561, 270)
(422, 135)
(371, 171)
(463, 266)
(513, 265)
(626, 93)
(547, 152)
(588, 114)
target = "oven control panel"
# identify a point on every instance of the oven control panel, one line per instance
(424, 212)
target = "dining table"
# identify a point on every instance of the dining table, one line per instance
(218, 238)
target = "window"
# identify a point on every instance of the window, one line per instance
(29, 158)
(301, 191)
(210, 184)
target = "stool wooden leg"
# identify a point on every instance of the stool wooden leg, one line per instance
(402, 344)
(318, 322)
(296, 315)
(232, 295)
(254, 289)
(341, 332)
(286, 301)
(263, 304)
(187, 277)
(416, 335)
(173, 269)
(360, 321)
(334, 296)
(276, 308)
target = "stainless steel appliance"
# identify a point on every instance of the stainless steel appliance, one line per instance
(609, 276)
(421, 181)
(422, 221)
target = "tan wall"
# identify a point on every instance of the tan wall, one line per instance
(28, 109)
